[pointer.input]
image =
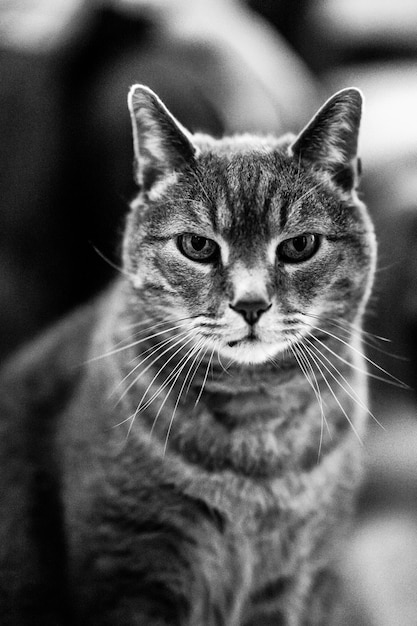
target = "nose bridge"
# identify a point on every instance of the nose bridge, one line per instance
(249, 284)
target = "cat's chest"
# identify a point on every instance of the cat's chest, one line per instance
(282, 522)
(260, 506)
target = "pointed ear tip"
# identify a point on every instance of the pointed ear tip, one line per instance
(356, 93)
(138, 93)
(353, 94)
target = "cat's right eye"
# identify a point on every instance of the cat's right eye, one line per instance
(197, 248)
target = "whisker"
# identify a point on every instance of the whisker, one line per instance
(168, 320)
(392, 380)
(173, 376)
(313, 382)
(314, 359)
(368, 339)
(131, 336)
(133, 344)
(201, 358)
(355, 397)
(385, 268)
(124, 421)
(144, 405)
(318, 397)
(134, 336)
(205, 376)
(116, 267)
(146, 330)
(176, 339)
(200, 345)
(197, 349)
(132, 418)
(225, 370)
(350, 326)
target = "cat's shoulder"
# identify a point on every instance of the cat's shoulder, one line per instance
(44, 369)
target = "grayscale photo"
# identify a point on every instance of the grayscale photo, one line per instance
(208, 313)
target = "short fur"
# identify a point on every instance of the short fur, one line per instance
(185, 450)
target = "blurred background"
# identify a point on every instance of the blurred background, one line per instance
(221, 66)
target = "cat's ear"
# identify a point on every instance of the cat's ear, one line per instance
(161, 144)
(330, 139)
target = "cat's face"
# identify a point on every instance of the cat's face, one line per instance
(256, 240)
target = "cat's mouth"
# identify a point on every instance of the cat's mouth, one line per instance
(248, 339)
(250, 349)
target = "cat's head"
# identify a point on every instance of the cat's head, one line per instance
(257, 240)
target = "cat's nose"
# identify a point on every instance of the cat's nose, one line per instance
(251, 310)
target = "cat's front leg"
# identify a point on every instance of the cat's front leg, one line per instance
(180, 567)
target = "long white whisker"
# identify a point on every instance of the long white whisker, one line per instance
(135, 343)
(314, 359)
(313, 382)
(198, 357)
(116, 267)
(368, 339)
(144, 405)
(131, 417)
(225, 370)
(194, 349)
(145, 322)
(133, 336)
(345, 325)
(394, 381)
(173, 376)
(196, 352)
(168, 320)
(200, 360)
(175, 340)
(318, 398)
(353, 395)
(205, 376)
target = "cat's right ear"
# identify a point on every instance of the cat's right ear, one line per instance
(161, 144)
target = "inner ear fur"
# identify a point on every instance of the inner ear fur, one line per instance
(330, 139)
(161, 144)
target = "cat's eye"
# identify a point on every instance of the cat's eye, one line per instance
(298, 249)
(197, 248)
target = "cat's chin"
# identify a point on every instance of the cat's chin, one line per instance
(249, 352)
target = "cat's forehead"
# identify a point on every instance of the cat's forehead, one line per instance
(250, 193)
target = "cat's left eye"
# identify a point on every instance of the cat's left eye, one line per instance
(298, 249)
(197, 248)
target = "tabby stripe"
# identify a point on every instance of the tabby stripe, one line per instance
(270, 194)
(283, 215)
(270, 591)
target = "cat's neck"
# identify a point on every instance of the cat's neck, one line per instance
(215, 414)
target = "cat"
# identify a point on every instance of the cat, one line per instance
(185, 449)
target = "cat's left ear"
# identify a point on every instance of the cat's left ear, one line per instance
(161, 144)
(330, 139)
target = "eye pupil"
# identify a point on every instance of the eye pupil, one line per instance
(300, 243)
(198, 243)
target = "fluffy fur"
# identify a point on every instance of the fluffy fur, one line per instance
(185, 450)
